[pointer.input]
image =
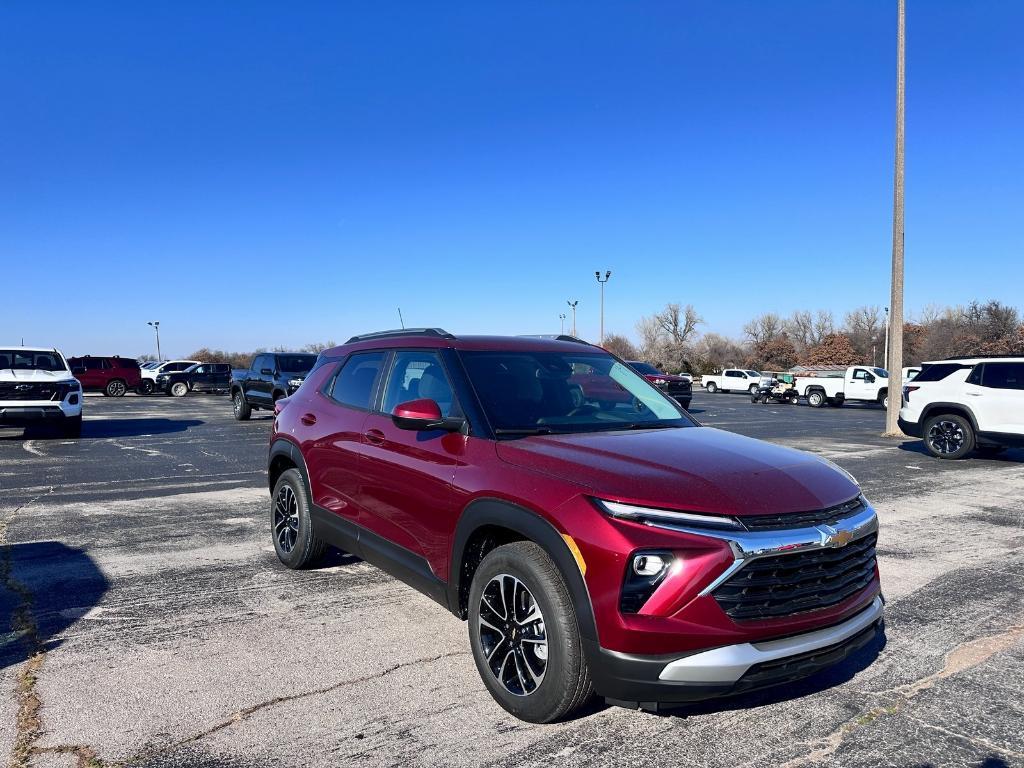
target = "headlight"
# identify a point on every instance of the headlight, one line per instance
(295, 382)
(645, 514)
(660, 382)
(837, 468)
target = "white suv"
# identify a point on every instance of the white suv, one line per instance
(36, 387)
(168, 366)
(961, 404)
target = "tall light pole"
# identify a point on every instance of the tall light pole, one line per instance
(607, 276)
(572, 305)
(156, 327)
(894, 359)
(562, 318)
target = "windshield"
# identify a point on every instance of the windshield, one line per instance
(645, 368)
(881, 372)
(756, 374)
(22, 360)
(561, 392)
(296, 363)
(150, 365)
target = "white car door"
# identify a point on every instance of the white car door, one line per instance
(995, 392)
(860, 385)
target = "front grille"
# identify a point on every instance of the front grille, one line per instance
(783, 585)
(804, 664)
(803, 519)
(13, 391)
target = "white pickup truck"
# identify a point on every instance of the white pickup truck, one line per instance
(732, 380)
(860, 382)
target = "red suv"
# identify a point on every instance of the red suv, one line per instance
(113, 376)
(624, 550)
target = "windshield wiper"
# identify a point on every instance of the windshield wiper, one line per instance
(648, 425)
(524, 431)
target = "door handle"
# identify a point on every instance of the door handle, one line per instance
(308, 419)
(374, 436)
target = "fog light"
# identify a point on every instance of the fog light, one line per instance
(73, 400)
(648, 565)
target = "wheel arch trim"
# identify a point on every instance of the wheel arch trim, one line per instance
(504, 514)
(938, 408)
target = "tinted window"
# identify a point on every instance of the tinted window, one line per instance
(939, 371)
(221, 368)
(355, 382)
(1003, 376)
(93, 363)
(294, 363)
(753, 373)
(197, 369)
(125, 362)
(259, 363)
(416, 375)
(734, 374)
(975, 377)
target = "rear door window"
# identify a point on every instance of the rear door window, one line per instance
(1003, 376)
(356, 382)
(939, 371)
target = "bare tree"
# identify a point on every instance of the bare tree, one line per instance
(678, 323)
(865, 327)
(621, 346)
(318, 346)
(764, 328)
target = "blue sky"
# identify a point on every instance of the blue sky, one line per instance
(256, 174)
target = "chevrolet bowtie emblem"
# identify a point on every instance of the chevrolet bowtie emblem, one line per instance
(835, 538)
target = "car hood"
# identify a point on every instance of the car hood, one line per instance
(34, 375)
(664, 377)
(695, 468)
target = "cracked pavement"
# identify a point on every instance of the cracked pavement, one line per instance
(170, 635)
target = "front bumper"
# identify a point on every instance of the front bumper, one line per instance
(648, 682)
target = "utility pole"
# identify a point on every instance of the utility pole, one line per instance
(895, 356)
(572, 305)
(156, 327)
(562, 318)
(607, 276)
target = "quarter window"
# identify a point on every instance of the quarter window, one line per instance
(355, 383)
(975, 377)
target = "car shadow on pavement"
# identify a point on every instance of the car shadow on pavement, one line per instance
(45, 587)
(841, 673)
(1009, 455)
(94, 429)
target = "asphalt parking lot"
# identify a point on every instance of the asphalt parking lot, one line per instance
(151, 625)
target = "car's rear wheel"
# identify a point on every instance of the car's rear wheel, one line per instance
(115, 388)
(241, 408)
(949, 436)
(524, 636)
(146, 387)
(816, 399)
(295, 540)
(179, 389)
(712, 387)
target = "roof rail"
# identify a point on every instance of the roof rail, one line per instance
(437, 333)
(980, 357)
(555, 337)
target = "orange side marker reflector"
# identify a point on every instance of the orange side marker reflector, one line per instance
(571, 544)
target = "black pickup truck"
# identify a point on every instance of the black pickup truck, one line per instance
(202, 377)
(271, 376)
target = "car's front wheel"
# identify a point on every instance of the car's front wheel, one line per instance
(949, 436)
(241, 408)
(711, 387)
(179, 389)
(524, 636)
(295, 541)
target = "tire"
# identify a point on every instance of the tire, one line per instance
(291, 528)
(816, 398)
(948, 436)
(146, 387)
(178, 389)
(752, 388)
(532, 580)
(711, 387)
(72, 426)
(115, 388)
(685, 404)
(241, 408)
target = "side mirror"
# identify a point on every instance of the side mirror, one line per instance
(423, 414)
(869, 379)
(266, 371)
